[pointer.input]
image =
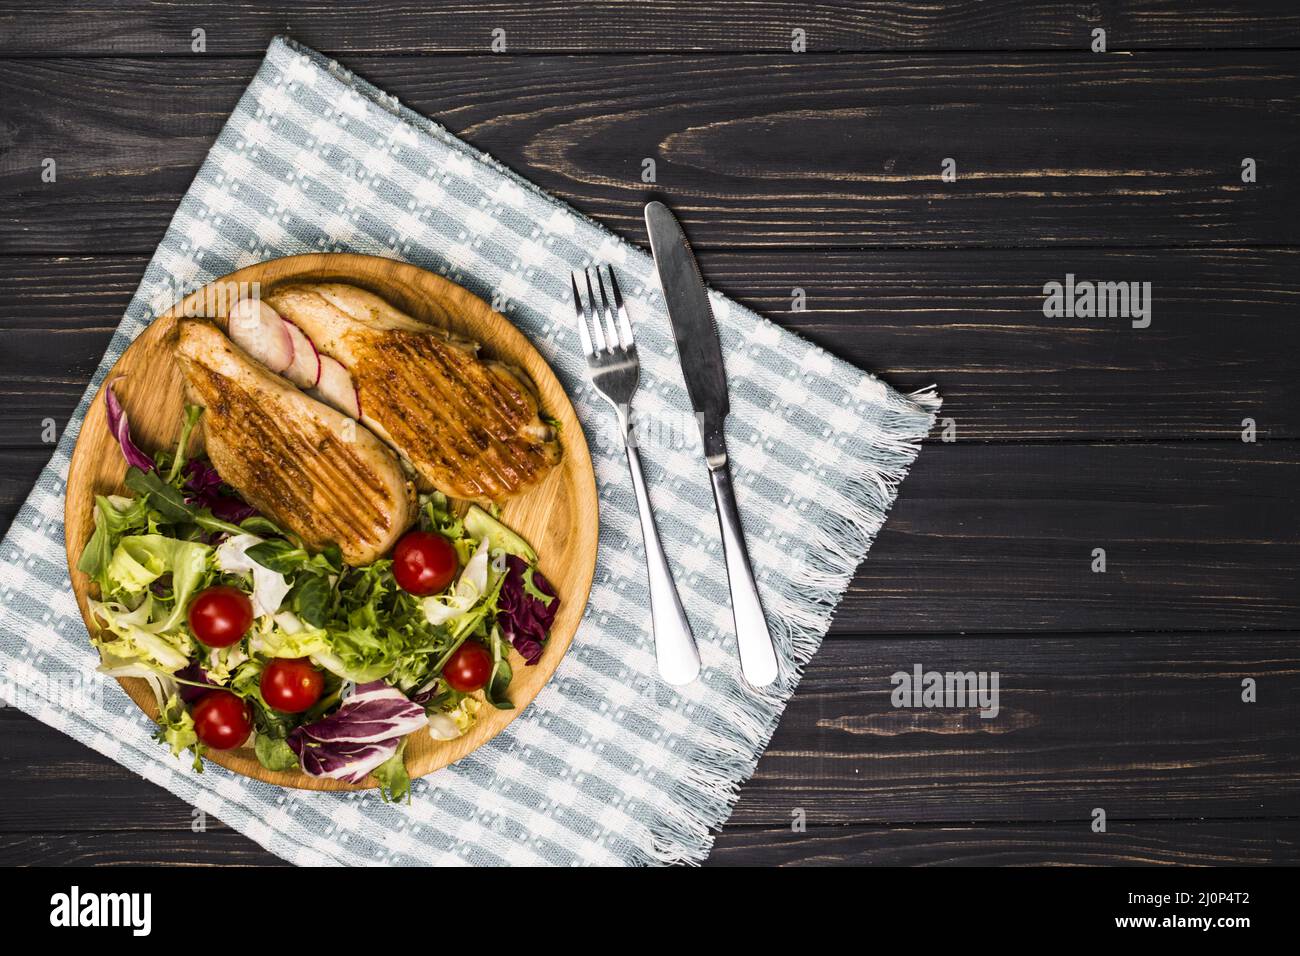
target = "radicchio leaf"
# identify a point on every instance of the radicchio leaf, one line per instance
(121, 429)
(193, 672)
(362, 734)
(348, 762)
(203, 488)
(523, 613)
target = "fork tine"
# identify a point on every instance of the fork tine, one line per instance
(597, 335)
(624, 325)
(583, 335)
(607, 308)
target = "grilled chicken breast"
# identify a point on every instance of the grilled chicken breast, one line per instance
(469, 427)
(305, 466)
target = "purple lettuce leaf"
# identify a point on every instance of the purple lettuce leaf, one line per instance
(363, 733)
(193, 672)
(347, 762)
(204, 487)
(120, 426)
(524, 618)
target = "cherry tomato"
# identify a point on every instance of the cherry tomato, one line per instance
(220, 615)
(222, 720)
(469, 668)
(424, 563)
(291, 685)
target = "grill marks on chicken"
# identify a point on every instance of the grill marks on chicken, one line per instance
(305, 466)
(469, 427)
(485, 454)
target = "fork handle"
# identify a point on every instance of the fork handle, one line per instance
(675, 650)
(757, 655)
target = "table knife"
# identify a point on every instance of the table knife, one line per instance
(700, 351)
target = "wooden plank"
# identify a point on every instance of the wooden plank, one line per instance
(762, 150)
(988, 538)
(142, 848)
(19, 469)
(970, 321)
(135, 26)
(999, 538)
(1143, 726)
(1182, 843)
(1177, 843)
(1148, 727)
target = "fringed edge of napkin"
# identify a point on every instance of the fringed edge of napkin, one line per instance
(703, 800)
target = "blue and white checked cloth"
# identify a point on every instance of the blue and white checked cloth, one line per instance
(608, 765)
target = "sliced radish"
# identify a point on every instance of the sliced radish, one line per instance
(304, 371)
(335, 388)
(259, 331)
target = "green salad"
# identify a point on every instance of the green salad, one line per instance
(248, 637)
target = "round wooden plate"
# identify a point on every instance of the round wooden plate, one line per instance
(558, 517)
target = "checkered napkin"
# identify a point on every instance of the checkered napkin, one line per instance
(608, 765)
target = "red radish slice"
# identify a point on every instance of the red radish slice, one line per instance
(304, 371)
(259, 331)
(335, 388)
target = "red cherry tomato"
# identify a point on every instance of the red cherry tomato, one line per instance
(291, 685)
(220, 615)
(469, 668)
(424, 563)
(222, 720)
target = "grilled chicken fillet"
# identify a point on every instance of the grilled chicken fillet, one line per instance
(469, 427)
(305, 466)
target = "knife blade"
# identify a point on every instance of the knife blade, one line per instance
(700, 350)
(694, 327)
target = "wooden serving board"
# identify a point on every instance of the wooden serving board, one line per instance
(558, 517)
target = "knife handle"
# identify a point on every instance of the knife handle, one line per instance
(675, 650)
(757, 654)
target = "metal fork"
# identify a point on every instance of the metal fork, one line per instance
(615, 371)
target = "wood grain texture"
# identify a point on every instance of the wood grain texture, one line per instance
(395, 26)
(558, 516)
(970, 321)
(147, 847)
(780, 151)
(1145, 727)
(1179, 843)
(986, 538)
(1176, 843)
(1149, 728)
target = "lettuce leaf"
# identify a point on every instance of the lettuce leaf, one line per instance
(285, 636)
(274, 753)
(393, 778)
(456, 609)
(189, 564)
(133, 640)
(498, 685)
(234, 556)
(114, 517)
(176, 730)
(138, 561)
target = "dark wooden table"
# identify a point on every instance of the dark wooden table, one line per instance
(821, 171)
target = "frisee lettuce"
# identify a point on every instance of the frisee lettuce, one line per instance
(176, 730)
